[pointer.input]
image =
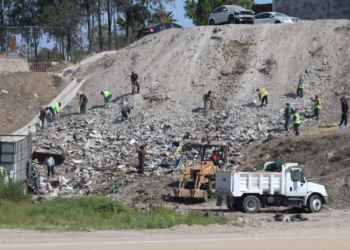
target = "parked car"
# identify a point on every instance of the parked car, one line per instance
(274, 17)
(156, 28)
(231, 14)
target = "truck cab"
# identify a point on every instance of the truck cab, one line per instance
(287, 186)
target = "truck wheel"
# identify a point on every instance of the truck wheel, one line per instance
(230, 20)
(211, 187)
(315, 204)
(211, 22)
(251, 204)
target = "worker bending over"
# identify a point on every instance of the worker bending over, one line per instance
(107, 97)
(82, 102)
(54, 109)
(262, 93)
(125, 111)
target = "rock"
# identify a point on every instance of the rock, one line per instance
(4, 91)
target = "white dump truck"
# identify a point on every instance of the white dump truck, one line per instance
(249, 191)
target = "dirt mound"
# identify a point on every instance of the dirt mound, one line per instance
(23, 95)
(176, 67)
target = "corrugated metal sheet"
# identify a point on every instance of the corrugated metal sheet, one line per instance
(15, 156)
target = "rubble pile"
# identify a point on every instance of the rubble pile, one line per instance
(100, 150)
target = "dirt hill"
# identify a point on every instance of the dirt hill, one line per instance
(176, 67)
(23, 95)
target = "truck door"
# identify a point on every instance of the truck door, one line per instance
(296, 184)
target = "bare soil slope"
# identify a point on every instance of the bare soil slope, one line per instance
(26, 94)
(176, 67)
(233, 60)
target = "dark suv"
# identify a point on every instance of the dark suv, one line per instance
(156, 28)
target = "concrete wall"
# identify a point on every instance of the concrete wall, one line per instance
(13, 65)
(314, 9)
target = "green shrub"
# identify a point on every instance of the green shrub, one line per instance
(97, 213)
(326, 172)
(112, 206)
(12, 191)
(260, 165)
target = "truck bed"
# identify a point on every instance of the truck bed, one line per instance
(239, 183)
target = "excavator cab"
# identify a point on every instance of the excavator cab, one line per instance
(198, 180)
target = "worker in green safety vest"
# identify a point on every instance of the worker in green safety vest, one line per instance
(300, 86)
(35, 176)
(107, 97)
(288, 113)
(296, 120)
(317, 106)
(206, 98)
(54, 109)
(262, 96)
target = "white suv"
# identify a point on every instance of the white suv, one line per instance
(274, 17)
(231, 14)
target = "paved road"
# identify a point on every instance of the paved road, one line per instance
(326, 239)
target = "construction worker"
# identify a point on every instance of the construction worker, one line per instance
(54, 109)
(35, 176)
(296, 120)
(134, 82)
(300, 86)
(262, 96)
(82, 102)
(206, 99)
(125, 111)
(317, 106)
(107, 97)
(288, 113)
(142, 157)
(344, 110)
(42, 117)
(50, 164)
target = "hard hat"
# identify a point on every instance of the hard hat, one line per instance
(79, 93)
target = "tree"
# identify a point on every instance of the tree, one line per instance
(163, 17)
(4, 11)
(87, 6)
(62, 21)
(200, 10)
(27, 13)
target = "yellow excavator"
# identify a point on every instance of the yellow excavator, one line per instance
(198, 180)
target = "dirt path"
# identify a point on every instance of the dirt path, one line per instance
(296, 239)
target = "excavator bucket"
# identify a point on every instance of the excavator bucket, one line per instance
(191, 194)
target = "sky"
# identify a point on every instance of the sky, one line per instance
(179, 12)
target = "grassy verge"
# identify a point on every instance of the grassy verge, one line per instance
(11, 191)
(93, 213)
